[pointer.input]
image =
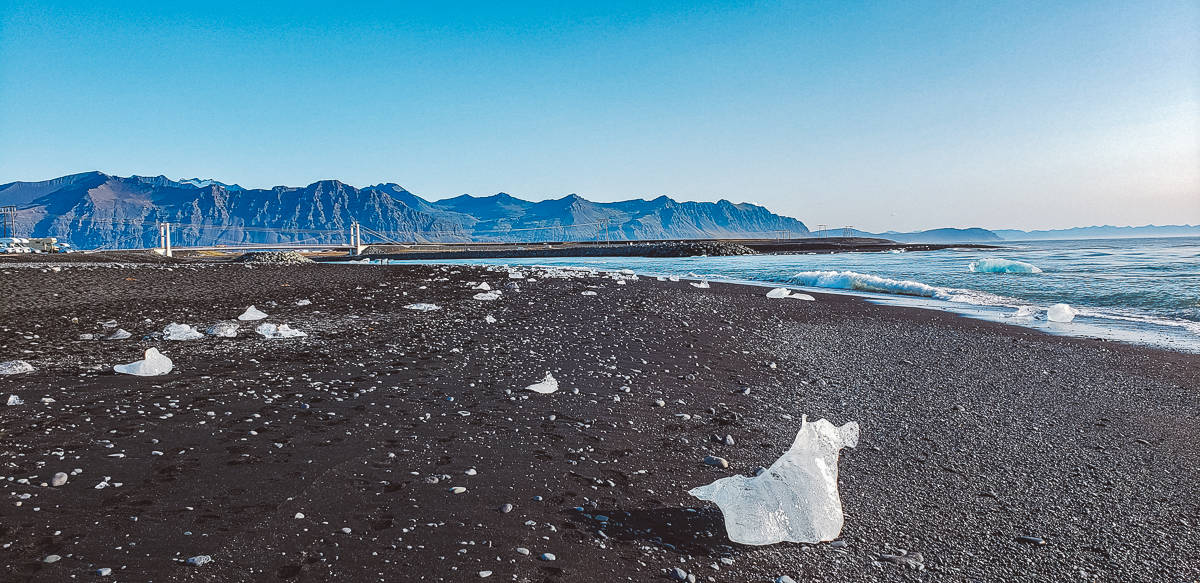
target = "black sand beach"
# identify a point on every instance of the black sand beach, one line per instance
(331, 457)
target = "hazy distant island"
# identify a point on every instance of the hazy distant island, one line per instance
(94, 210)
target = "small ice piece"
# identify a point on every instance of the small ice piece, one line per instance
(587, 293)
(224, 329)
(997, 265)
(273, 331)
(1024, 312)
(516, 275)
(423, 307)
(702, 285)
(483, 287)
(153, 364)
(779, 292)
(14, 400)
(181, 332)
(199, 560)
(1060, 313)
(800, 296)
(303, 302)
(796, 499)
(120, 334)
(15, 367)
(490, 319)
(252, 313)
(487, 296)
(547, 386)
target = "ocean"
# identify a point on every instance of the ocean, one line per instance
(1142, 291)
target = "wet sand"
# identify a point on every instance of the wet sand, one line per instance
(973, 434)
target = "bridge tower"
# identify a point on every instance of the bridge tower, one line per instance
(164, 239)
(8, 221)
(356, 246)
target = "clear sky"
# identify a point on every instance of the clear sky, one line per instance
(883, 115)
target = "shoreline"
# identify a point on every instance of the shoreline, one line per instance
(973, 433)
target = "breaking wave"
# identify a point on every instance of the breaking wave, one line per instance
(852, 280)
(997, 265)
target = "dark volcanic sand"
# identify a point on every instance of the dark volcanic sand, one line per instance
(1090, 445)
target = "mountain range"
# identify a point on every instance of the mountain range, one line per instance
(96, 210)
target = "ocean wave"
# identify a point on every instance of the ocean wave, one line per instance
(851, 280)
(997, 265)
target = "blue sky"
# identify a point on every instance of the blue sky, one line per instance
(881, 115)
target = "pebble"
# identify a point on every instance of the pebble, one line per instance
(678, 574)
(1032, 540)
(59, 479)
(457, 490)
(506, 508)
(713, 460)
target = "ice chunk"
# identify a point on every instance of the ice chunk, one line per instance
(120, 334)
(303, 302)
(14, 400)
(153, 364)
(490, 319)
(252, 313)
(181, 332)
(779, 292)
(483, 287)
(273, 331)
(1060, 313)
(587, 293)
(997, 265)
(15, 367)
(800, 296)
(796, 499)
(224, 329)
(547, 386)
(423, 307)
(701, 285)
(487, 296)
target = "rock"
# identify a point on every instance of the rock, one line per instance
(678, 574)
(59, 479)
(506, 508)
(713, 460)
(1031, 540)
(914, 561)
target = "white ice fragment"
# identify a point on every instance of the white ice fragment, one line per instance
(800, 296)
(487, 296)
(153, 364)
(252, 313)
(587, 293)
(224, 329)
(120, 334)
(547, 386)
(796, 499)
(779, 292)
(997, 265)
(1060, 313)
(273, 331)
(483, 287)
(14, 400)
(15, 367)
(303, 302)
(701, 285)
(490, 319)
(181, 332)
(423, 307)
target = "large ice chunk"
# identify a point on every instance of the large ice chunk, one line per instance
(778, 293)
(224, 329)
(997, 265)
(181, 332)
(153, 364)
(252, 313)
(1060, 313)
(487, 296)
(15, 367)
(796, 499)
(275, 332)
